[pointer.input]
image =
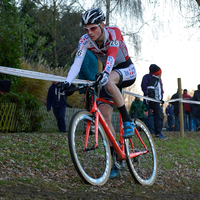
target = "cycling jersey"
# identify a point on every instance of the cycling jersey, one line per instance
(113, 54)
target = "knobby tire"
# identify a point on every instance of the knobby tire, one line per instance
(93, 165)
(143, 168)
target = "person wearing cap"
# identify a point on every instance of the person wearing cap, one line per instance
(108, 44)
(4, 86)
(155, 91)
(146, 78)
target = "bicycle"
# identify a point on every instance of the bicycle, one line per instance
(91, 154)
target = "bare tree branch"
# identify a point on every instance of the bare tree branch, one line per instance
(198, 2)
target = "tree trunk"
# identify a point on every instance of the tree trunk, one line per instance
(107, 12)
(198, 1)
(55, 59)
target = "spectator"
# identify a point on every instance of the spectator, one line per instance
(137, 109)
(155, 92)
(146, 78)
(187, 112)
(170, 116)
(196, 97)
(166, 125)
(193, 111)
(4, 86)
(59, 107)
(176, 111)
(89, 67)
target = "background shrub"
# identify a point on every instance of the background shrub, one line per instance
(27, 112)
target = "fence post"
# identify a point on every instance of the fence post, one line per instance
(181, 108)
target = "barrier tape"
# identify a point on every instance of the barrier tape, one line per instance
(36, 75)
(51, 77)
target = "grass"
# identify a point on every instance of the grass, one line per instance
(179, 152)
(42, 160)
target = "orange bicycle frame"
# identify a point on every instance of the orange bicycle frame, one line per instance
(120, 151)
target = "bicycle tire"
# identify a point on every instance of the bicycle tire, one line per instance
(93, 166)
(143, 168)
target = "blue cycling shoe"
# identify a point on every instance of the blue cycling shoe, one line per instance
(161, 136)
(128, 129)
(114, 171)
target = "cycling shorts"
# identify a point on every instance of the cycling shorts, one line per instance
(127, 78)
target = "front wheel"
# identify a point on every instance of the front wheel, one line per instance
(143, 167)
(94, 164)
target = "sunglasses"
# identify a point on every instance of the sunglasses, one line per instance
(92, 28)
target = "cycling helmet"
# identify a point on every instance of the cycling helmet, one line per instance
(93, 16)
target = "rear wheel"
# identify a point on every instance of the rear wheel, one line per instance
(143, 168)
(94, 164)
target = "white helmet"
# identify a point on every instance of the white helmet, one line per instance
(93, 16)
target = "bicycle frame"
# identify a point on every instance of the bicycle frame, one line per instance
(120, 151)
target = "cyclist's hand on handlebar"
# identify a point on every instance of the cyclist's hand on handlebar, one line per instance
(102, 77)
(69, 89)
(63, 86)
(66, 85)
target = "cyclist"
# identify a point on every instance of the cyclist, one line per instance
(108, 45)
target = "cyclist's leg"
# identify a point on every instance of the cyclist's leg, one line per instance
(118, 78)
(106, 111)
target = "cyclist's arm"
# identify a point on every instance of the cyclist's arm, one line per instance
(113, 50)
(76, 66)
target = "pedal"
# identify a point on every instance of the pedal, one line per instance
(119, 164)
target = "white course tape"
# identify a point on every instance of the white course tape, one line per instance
(37, 75)
(51, 77)
(169, 101)
(137, 95)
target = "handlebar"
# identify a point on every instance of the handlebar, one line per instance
(71, 90)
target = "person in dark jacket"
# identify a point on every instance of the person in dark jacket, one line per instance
(155, 92)
(196, 97)
(170, 116)
(59, 107)
(4, 86)
(176, 111)
(146, 78)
